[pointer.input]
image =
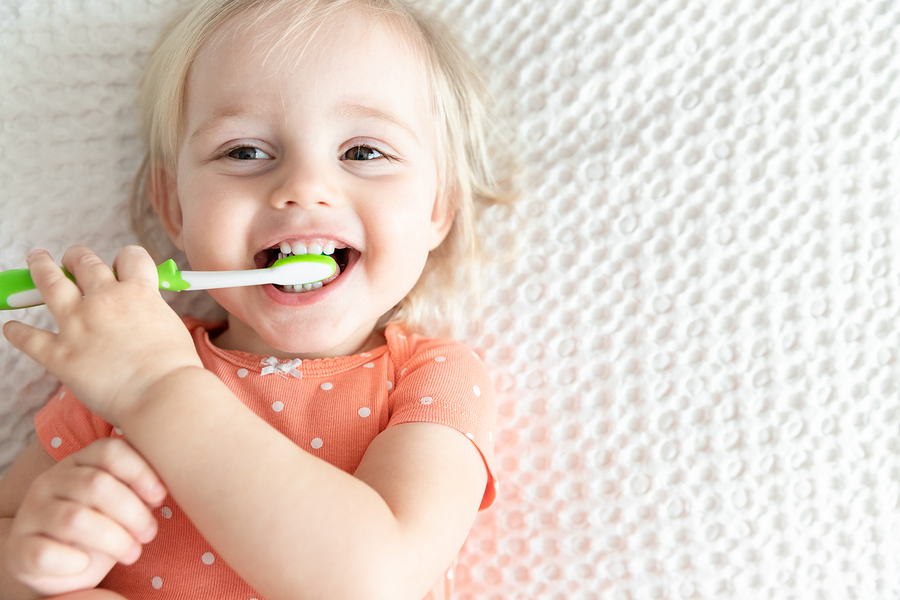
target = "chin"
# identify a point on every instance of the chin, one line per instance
(316, 342)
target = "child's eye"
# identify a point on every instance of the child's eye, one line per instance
(247, 153)
(361, 153)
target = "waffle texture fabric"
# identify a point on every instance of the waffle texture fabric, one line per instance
(332, 408)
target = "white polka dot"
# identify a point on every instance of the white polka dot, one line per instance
(476, 390)
(365, 354)
(165, 284)
(277, 406)
(316, 443)
(470, 436)
(390, 385)
(403, 372)
(156, 582)
(369, 366)
(56, 442)
(450, 574)
(440, 358)
(208, 558)
(243, 373)
(364, 412)
(427, 400)
(327, 386)
(62, 395)
(166, 512)
(118, 430)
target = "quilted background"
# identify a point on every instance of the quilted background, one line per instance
(697, 350)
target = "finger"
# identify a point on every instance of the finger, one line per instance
(31, 341)
(135, 264)
(122, 461)
(89, 269)
(37, 555)
(108, 496)
(56, 289)
(79, 526)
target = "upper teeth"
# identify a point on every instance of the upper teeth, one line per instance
(312, 248)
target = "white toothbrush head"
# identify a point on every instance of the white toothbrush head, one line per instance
(302, 268)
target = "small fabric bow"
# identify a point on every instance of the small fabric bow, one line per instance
(288, 367)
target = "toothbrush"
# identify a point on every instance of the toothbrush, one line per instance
(17, 290)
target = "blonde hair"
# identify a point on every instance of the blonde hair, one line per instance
(473, 174)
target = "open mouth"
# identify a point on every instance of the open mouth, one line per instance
(342, 256)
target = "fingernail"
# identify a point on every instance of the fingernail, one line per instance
(132, 556)
(149, 533)
(34, 254)
(158, 492)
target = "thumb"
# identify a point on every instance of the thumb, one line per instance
(31, 341)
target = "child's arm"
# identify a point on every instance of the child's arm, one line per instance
(13, 486)
(291, 524)
(64, 525)
(295, 526)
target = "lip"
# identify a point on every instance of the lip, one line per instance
(263, 257)
(301, 299)
(275, 241)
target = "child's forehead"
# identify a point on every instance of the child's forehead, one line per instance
(288, 32)
(269, 66)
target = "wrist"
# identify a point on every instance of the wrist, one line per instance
(159, 395)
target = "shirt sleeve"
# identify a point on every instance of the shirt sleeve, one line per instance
(449, 385)
(65, 426)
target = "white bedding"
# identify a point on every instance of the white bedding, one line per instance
(697, 352)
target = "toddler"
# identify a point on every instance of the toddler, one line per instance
(314, 444)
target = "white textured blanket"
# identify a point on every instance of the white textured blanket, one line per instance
(698, 352)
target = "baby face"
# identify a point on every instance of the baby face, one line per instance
(330, 152)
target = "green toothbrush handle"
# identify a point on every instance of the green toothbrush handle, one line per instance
(170, 277)
(17, 289)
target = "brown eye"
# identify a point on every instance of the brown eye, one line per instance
(361, 153)
(247, 153)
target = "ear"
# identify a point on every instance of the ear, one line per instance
(163, 193)
(442, 216)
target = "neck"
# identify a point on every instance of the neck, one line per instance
(240, 337)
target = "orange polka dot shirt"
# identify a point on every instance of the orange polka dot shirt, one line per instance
(333, 408)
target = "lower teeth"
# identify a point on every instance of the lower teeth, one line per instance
(306, 287)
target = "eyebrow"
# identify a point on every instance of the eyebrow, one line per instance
(346, 110)
(215, 119)
(352, 110)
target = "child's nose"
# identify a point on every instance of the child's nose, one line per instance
(304, 187)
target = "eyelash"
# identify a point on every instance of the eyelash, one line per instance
(385, 155)
(227, 153)
(363, 144)
(364, 148)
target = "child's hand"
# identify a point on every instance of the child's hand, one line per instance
(116, 339)
(82, 516)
